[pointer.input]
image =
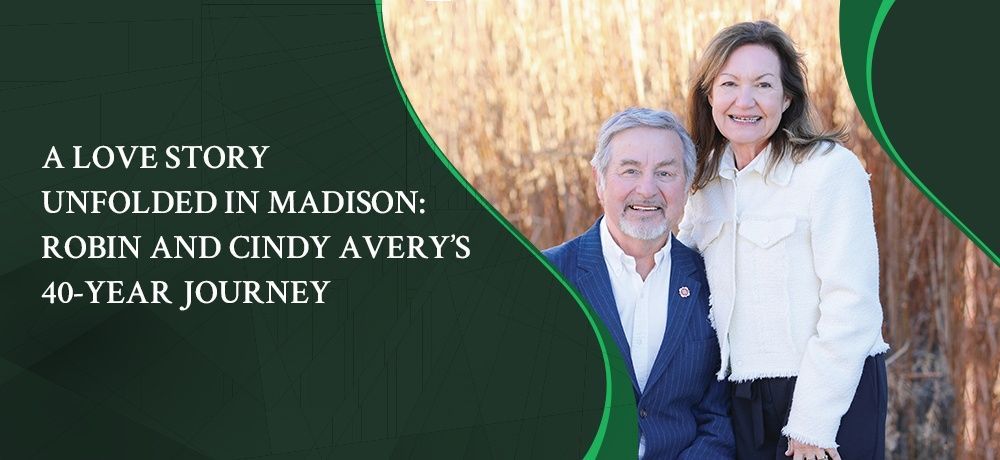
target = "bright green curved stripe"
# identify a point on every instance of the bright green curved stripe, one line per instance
(600, 447)
(883, 138)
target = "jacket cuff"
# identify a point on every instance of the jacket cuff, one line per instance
(824, 441)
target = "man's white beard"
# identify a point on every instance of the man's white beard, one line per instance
(644, 230)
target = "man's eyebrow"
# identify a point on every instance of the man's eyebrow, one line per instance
(628, 162)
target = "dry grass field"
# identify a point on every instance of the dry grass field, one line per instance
(514, 92)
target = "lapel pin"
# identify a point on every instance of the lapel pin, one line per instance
(684, 291)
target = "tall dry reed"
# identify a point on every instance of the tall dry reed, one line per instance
(514, 92)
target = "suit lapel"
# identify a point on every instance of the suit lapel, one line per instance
(594, 283)
(678, 308)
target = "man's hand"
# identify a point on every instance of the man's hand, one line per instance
(802, 451)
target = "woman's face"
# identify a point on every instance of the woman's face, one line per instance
(747, 98)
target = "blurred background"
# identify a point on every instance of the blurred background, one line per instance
(514, 92)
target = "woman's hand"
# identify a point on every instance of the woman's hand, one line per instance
(802, 451)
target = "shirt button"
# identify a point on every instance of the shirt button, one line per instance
(642, 413)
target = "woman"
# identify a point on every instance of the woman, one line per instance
(782, 215)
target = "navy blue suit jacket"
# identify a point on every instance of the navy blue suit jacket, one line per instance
(684, 411)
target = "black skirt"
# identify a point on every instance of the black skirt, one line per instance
(761, 407)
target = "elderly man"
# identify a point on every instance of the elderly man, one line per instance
(649, 289)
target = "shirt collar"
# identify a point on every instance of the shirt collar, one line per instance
(780, 175)
(616, 258)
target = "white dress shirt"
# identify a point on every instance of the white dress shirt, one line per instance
(792, 263)
(642, 305)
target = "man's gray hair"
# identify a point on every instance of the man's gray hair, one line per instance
(634, 117)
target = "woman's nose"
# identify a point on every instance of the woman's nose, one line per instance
(745, 98)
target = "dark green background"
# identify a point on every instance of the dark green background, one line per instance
(937, 90)
(922, 77)
(488, 357)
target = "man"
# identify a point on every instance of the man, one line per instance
(649, 289)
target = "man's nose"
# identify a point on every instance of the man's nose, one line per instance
(646, 186)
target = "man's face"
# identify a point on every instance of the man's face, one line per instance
(644, 186)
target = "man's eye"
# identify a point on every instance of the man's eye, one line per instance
(630, 172)
(664, 173)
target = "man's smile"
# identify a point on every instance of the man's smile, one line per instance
(644, 208)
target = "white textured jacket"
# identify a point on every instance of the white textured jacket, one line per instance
(792, 264)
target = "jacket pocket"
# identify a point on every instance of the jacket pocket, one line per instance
(705, 233)
(767, 233)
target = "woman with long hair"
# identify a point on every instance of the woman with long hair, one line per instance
(782, 214)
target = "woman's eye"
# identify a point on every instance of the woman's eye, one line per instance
(727, 83)
(764, 84)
